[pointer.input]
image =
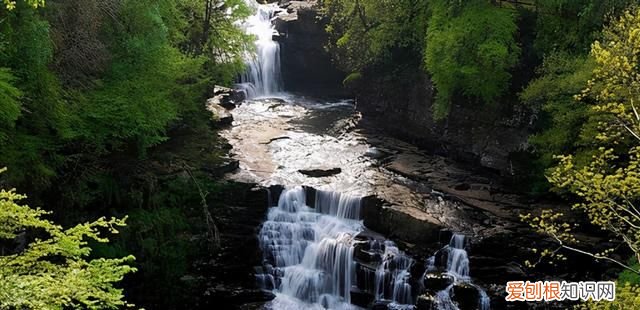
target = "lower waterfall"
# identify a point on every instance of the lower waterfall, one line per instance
(323, 257)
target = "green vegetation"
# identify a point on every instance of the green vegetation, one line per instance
(551, 57)
(479, 53)
(468, 42)
(460, 42)
(52, 271)
(92, 96)
(608, 183)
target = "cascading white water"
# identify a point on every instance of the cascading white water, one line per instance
(309, 252)
(458, 260)
(392, 276)
(263, 76)
(458, 267)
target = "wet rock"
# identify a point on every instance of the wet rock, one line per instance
(436, 282)
(498, 273)
(380, 305)
(227, 166)
(366, 256)
(276, 139)
(425, 302)
(231, 295)
(365, 276)
(466, 296)
(361, 298)
(320, 173)
(376, 153)
(400, 225)
(227, 97)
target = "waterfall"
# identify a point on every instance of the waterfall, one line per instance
(319, 257)
(309, 252)
(457, 267)
(392, 276)
(458, 260)
(263, 75)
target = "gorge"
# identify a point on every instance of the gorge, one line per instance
(335, 184)
(319, 154)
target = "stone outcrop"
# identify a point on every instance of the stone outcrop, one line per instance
(229, 274)
(480, 134)
(223, 100)
(306, 66)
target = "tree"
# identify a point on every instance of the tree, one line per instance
(560, 117)
(470, 49)
(572, 25)
(363, 33)
(9, 102)
(608, 186)
(52, 271)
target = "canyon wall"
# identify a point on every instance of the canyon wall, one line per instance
(479, 134)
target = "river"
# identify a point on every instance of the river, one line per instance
(317, 251)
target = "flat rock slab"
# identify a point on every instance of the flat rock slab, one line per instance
(320, 173)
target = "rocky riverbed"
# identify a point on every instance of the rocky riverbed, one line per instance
(410, 196)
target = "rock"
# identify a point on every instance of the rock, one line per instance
(276, 139)
(234, 95)
(320, 173)
(376, 153)
(425, 302)
(221, 117)
(466, 296)
(490, 138)
(226, 97)
(380, 305)
(227, 166)
(436, 282)
(399, 225)
(361, 298)
(303, 37)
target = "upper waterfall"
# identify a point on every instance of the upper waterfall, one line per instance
(263, 75)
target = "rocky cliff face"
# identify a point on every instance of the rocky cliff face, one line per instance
(482, 135)
(306, 66)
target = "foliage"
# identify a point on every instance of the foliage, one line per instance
(561, 117)
(608, 185)
(136, 101)
(363, 33)
(627, 297)
(11, 4)
(212, 30)
(52, 272)
(9, 102)
(30, 146)
(572, 25)
(467, 43)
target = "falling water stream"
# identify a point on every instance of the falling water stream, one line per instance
(263, 77)
(457, 266)
(317, 253)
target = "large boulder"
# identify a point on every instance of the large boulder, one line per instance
(220, 117)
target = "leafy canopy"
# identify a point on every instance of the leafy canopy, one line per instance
(363, 33)
(53, 271)
(470, 49)
(608, 184)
